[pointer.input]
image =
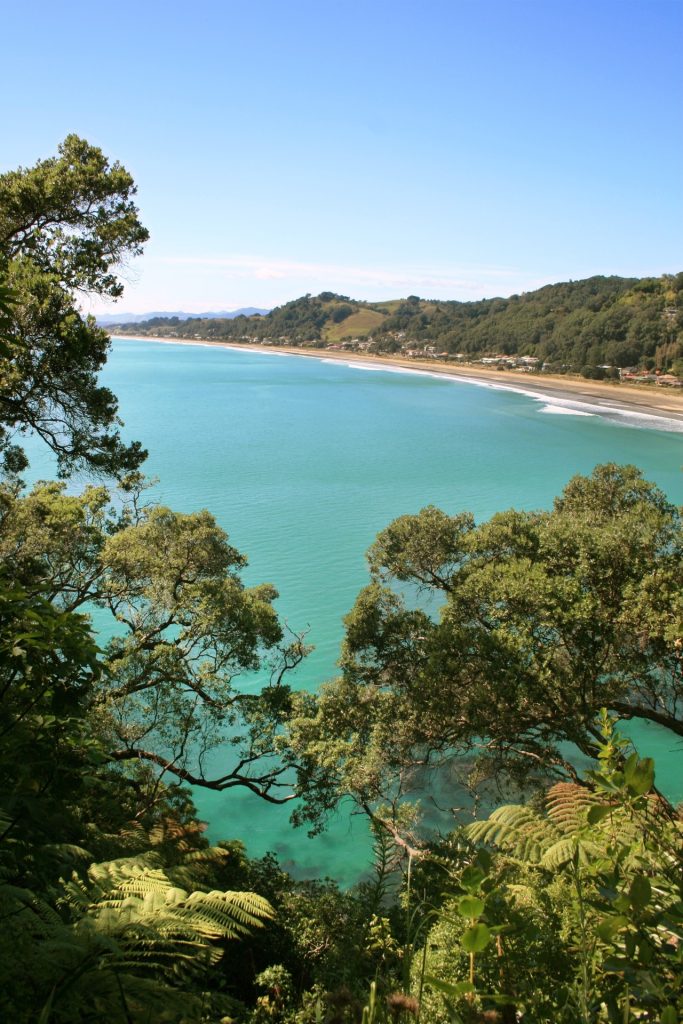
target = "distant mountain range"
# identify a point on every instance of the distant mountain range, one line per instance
(107, 319)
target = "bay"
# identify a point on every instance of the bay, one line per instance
(303, 461)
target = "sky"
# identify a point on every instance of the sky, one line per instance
(453, 149)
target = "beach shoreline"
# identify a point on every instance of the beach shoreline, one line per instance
(624, 398)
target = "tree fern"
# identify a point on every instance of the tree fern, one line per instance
(131, 891)
(223, 914)
(126, 932)
(551, 838)
(520, 831)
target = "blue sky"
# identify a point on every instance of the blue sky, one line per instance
(450, 149)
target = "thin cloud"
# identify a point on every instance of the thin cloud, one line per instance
(454, 279)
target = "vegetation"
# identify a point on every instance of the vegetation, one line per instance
(575, 326)
(545, 618)
(563, 907)
(583, 893)
(65, 225)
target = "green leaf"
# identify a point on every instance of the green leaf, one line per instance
(597, 813)
(669, 1015)
(484, 859)
(610, 926)
(476, 938)
(471, 906)
(639, 776)
(640, 892)
(471, 878)
(46, 1011)
(560, 853)
(461, 988)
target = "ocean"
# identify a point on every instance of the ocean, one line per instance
(303, 461)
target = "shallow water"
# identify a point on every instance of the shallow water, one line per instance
(303, 461)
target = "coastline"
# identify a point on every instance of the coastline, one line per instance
(617, 398)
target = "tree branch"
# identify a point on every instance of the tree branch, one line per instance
(260, 787)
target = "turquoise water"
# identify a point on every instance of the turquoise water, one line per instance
(303, 461)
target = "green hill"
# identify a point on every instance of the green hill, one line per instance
(358, 324)
(599, 321)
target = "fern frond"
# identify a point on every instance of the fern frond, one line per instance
(141, 883)
(67, 851)
(211, 855)
(559, 854)
(75, 894)
(112, 873)
(567, 806)
(44, 918)
(519, 830)
(133, 832)
(224, 914)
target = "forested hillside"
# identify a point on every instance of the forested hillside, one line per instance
(611, 321)
(563, 907)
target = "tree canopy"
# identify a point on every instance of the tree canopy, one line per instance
(544, 619)
(186, 626)
(66, 226)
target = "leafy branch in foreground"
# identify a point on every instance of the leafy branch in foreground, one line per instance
(573, 912)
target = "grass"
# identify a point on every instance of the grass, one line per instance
(358, 325)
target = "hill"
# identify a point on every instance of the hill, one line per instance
(568, 327)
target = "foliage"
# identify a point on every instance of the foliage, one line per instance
(112, 903)
(186, 628)
(72, 215)
(133, 937)
(125, 940)
(545, 617)
(327, 940)
(66, 224)
(587, 324)
(584, 898)
(48, 670)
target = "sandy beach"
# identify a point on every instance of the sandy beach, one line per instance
(646, 400)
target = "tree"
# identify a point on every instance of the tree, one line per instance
(593, 372)
(145, 931)
(66, 225)
(545, 618)
(186, 627)
(95, 741)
